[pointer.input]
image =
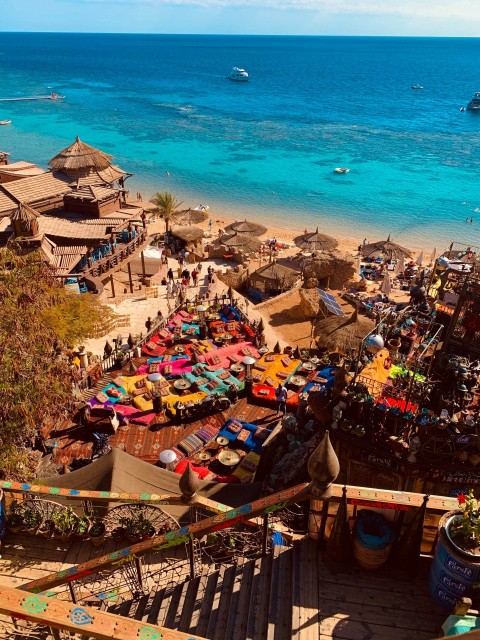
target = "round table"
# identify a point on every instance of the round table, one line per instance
(179, 348)
(226, 337)
(315, 360)
(204, 457)
(229, 458)
(309, 366)
(237, 368)
(182, 384)
(298, 381)
(222, 441)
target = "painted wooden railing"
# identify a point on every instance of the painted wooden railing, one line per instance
(88, 621)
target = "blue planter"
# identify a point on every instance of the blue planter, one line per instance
(454, 573)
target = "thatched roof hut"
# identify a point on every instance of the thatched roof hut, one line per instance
(385, 248)
(25, 220)
(315, 241)
(188, 234)
(79, 156)
(244, 226)
(273, 277)
(239, 241)
(190, 216)
(340, 334)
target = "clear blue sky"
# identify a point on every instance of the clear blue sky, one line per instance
(290, 17)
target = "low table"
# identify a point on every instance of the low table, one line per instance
(204, 457)
(229, 458)
(182, 384)
(298, 381)
(222, 441)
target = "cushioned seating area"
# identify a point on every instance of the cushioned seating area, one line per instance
(228, 313)
(264, 393)
(141, 403)
(171, 400)
(251, 443)
(245, 471)
(230, 350)
(222, 386)
(191, 444)
(273, 365)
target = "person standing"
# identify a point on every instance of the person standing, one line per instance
(170, 274)
(194, 277)
(169, 290)
(148, 324)
(281, 399)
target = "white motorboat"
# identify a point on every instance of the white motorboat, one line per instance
(238, 75)
(202, 207)
(474, 104)
(417, 86)
(342, 170)
(5, 121)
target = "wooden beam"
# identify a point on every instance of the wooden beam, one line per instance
(59, 614)
(130, 276)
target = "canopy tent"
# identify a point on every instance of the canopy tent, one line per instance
(273, 277)
(239, 241)
(339, 335)
(120, 472)
(386, 249)
(244, 226)
(315, 241)
(190, 216)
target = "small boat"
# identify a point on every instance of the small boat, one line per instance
(342, 170)
(474, 104)
(238, 75)
(417, 86)
(202, 207)
(5, 121)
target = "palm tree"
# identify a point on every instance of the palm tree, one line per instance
(166, 205)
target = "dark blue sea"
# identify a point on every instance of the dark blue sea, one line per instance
(267, 148)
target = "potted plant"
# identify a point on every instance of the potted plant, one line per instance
(82, 526)
(15, 521)
(137, 527)
(455, 570)
(63, 521)
(32, 519)
(97, 532)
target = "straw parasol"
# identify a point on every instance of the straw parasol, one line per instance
(24, 213)
(315, 241)
(385, 248)
(339, 334)
(80, 156)
(188, 234)
(190, 216)
(244, 226)
(239, 241)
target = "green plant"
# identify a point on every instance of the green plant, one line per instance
(466, 531)
(15, 517)
(64, 520)
(97, 529)
(82, 525)
(136, 525)
(32, 518)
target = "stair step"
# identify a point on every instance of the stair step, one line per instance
(207, 604)
(216, 630)
(260, 596)
(305, 625)
(186, 609)
(165, 605)
(283, 622)
(239, 618)
(273, 603)
(198, 603)
(174, 611)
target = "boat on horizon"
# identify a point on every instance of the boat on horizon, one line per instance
(474, 104)
(5, 121)
(202, 208)
(417, 86)
(341, 170)
(238, 75)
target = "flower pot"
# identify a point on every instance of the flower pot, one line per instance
(97, 533)
(45, 530)
(14, 528)
(455, 572)
(62, 536)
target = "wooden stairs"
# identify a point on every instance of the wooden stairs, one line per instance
(289, 594)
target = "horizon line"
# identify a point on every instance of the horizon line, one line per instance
(238, 35)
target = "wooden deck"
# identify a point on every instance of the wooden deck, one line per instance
(288, 594)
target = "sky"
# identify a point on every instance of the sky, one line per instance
(269, 17)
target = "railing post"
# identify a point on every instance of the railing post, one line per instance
(191, 556)
(138, 568)
(72, 593)
(264, 534)
(323, 467)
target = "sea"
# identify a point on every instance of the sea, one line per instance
(266, 149)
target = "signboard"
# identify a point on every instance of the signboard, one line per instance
(461, 477)
(379, 505)
(377, 461)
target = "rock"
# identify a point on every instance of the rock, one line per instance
(309, 302)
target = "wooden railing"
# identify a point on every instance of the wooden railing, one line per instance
(122, 252)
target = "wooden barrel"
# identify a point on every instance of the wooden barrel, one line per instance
(370, 558)
(373, 538)
(453, 574)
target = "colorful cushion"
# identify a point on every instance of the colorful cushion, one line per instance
(168, 370)
(139, 384)
(243, 435)
(260, 367)
(101, 397)
(151, 345)
(233, 359)
(118, 381)
(114, 393)
(286, 361)
(269, 357)
(154, 368)
(270, 381)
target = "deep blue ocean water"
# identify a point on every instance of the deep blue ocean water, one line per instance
(267, 148)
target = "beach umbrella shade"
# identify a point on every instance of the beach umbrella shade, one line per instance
(339, 334)
(190, 216)
(419, 259)
(315, 241)
(239, 241)
(386, 286)
(80, 156)
(188, 234)
(245, 226)
(433, 255)
(386, 249)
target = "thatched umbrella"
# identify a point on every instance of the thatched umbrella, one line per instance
(80, 156)
(239, 241)
(188, 234)
(244, 226)
(273, 276)
(190, 216)
(340, 334)
(385, 248)
(315, 241)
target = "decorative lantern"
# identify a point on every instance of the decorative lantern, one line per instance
(374, 343)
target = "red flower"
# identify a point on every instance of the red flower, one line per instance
(461, 499)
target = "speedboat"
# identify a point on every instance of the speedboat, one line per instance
(238, 75)
(5, 121)
(417, 86)
(341, 170)
(474, 104)
(202, 207)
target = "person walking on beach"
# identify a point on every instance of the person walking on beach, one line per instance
(148, 324)
(169, 290)
(281, 399)
(170, 274)
(194, 277)
(175, 289)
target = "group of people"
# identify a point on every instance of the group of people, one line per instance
(185, 278)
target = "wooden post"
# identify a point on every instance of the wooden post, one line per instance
(264, 534)
(113, 286)
(130, 277)
(143, 264)
(191, 557)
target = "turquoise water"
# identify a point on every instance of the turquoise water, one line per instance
(266, 149)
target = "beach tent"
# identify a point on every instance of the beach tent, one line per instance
(315, 241)
(190, 216)
(433, 255)
(273, 277)
(244, 226)
(120, 472)
(386, 249)
(339, 334)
